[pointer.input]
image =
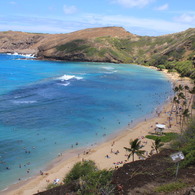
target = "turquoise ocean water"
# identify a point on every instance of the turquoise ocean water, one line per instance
(45, 107)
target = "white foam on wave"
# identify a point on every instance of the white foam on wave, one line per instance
(23, 55)
(111, 72)
(24, 101)
(4, 189)
(65, 84)
(108, 67)
(69, 77)
(28, 55)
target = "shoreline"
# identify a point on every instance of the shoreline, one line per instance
(61, 165)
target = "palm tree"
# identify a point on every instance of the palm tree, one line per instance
(176, 89)
(180, 88)
(177, 102)
(184, 104)
(185, 115)
(181, 96)
(192, 92)
(186, 87)
(174, 104)
(157, 144)
(134, 149)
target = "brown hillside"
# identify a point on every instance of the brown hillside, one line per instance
(22, 42)
(108, 44)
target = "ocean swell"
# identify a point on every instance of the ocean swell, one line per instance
(69, 77)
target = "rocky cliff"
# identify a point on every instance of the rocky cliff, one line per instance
(11, 41)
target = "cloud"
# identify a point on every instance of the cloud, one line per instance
(163, 7)
(133, 3)
(186, 18)
(160, 27)
(69, 9)
(40, 25)
(140, 26)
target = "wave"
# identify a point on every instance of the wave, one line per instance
(111, 72)
(24, 101)
(27, 55)
(108, 67)
(65, 84)
(23, 55)
(69, 77)
(14, 54)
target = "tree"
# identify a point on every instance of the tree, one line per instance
(176, 89)
(161, 67)
(192, 92)
(180, 88)
(185, 115)
(181, 96)
(156, 145)
(186, 87)
(134, 149)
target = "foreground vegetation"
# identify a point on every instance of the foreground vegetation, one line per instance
(185, 142)
(87, 179)
(170, 187)
(166, 137)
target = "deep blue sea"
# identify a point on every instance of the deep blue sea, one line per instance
(46, 106)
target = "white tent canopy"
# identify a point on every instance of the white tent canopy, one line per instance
(160, 126)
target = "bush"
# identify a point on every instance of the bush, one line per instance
(79, 170)
(185, 143)
(52, 185)
(171, 187)
(161, 67)
(189, 159)
(87, 179)
(167, 137)
(97, 182)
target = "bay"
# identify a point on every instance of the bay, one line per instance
(46, 107)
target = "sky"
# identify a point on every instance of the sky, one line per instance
(141, 17)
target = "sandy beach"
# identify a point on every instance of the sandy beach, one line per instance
(106, 155)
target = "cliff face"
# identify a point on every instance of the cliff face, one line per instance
(109, 44)
(20, 42)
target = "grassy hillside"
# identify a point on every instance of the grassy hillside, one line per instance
(175, 52)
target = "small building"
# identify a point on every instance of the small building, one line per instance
(159, 128)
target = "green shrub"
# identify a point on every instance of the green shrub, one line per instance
(79, 170)
(87, 179)
(167, 137)
(161, 67)
(171, 70)
(51, 185)
(96, 182)
(189, 159)
(170, 187)
(185, 143)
